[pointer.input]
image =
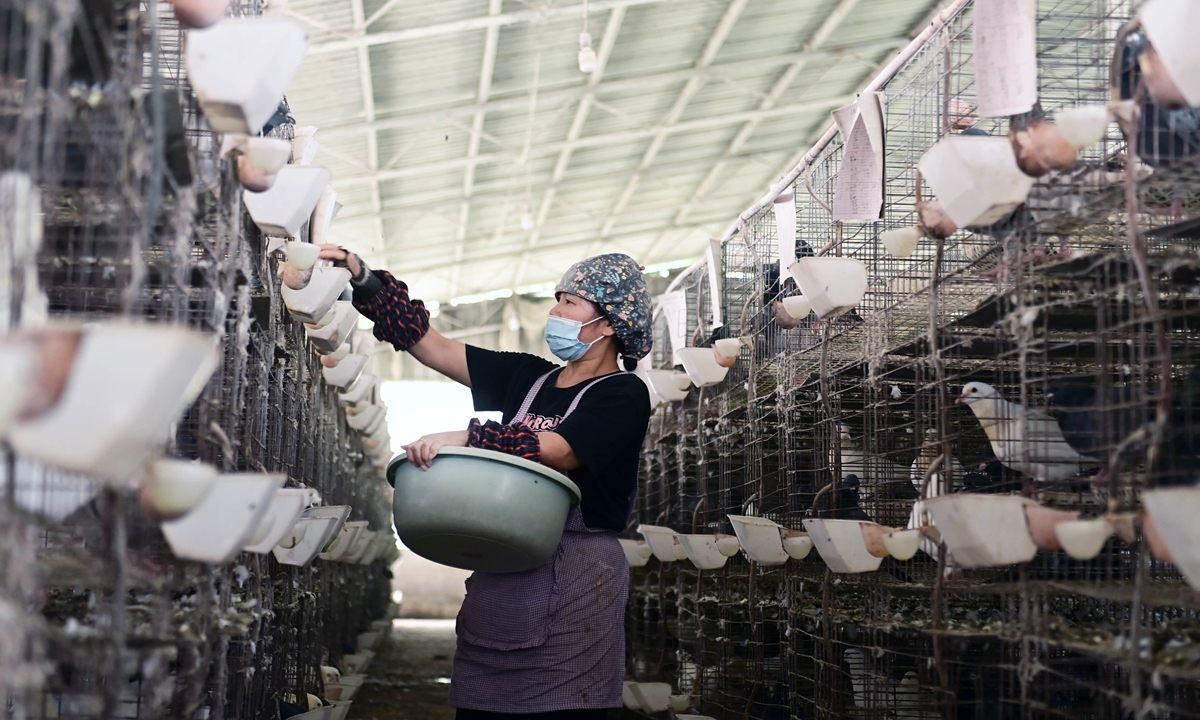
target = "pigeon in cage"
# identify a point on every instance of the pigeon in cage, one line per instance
(1167, 140)
(1043, 455)
(930, 451)
(878, 477)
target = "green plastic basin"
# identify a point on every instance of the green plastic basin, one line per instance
(481, 510)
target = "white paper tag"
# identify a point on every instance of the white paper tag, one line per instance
(1006, 80)
(785, 227)
(713, 256)
(674, 309)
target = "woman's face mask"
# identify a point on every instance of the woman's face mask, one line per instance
(562, 335)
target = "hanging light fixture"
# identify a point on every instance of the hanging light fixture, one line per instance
(527, 221)
(587, 56)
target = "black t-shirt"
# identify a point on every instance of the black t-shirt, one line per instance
(605, 430)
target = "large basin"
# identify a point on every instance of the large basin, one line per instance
(481, 510)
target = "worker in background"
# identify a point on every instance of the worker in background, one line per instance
(547, 644)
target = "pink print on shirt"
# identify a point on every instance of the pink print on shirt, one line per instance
(539, 423)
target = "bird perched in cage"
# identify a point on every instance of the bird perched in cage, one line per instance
(876, 475)
(1043, 454)
(1167, 140)
(941, 481)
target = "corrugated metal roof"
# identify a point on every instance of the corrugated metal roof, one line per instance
(440, 148)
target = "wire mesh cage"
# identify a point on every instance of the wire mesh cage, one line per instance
(138, 219)
(1073, 314)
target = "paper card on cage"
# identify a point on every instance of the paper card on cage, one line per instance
(713, 258)
(1005, 58)
(674, 309)
(858, 194)
(785, 229)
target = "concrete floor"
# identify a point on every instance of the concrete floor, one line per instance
(409, 679)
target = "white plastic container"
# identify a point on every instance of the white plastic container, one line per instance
(701, 366)
(637, 552)
(983, 530)
(760, 539)
(128, 384)
(267, 155)
(344, 543)
(364, 417)
(362, 544)
(702, 550)
(666, 384)
(797, 306)
(340, 709)
(832, 285)
(217, 529)
(663, 542)
(283, 209)
(1175, 512)
(310, 304)
(286, 508)
(1083, 539)
(902, 544)
(174, 487)
(1083, 125)
(901, 242)
(357, 663)
(975, 178)
(796, 544)
(652, 697)
(345, 689)
(326, 340)
(1171, 26)
(302, 543)
(240, 69)
(841, 545)
(339, 513)
(361, 390)
(346, 372)
(302, 256)
(729, 347)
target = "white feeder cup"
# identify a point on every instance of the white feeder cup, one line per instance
(341, 545)
(832, 285)
(286, 508)
(796, 544)
(217, 529)
(843, 544)
(983, 530)
(797, 306)
(702, 366)
(363, 417)
(359, 391)
(241, 68)
(729, 347)
(1171, 26)
(173, 487)
(702, 550)
(329, 338)
(267, 155)
(663, 542)
(283, 209)
(301, 255)
(338, 513)
(316, 299)
(653, 697)
(1174, 512)
(902, 544)
(901, 242)
(1083, 539)
(1084, 125)
(637, 552)
(198, 14)
(665, 384)
(346, 372)
(976, 179)
(760, 539)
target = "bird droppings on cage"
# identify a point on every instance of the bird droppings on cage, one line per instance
(139, 228)
(1048, 357)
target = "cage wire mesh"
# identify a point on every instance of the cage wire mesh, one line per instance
(139, 219)
(1080, 306)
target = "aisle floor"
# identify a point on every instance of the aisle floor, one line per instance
(410, 677)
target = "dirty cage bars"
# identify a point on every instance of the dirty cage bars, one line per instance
(806, 407)
(142, 221)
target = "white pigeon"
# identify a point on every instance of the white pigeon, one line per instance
(1035, 447)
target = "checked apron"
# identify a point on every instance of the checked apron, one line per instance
(552, 638)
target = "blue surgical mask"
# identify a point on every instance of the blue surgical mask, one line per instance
(562, 335)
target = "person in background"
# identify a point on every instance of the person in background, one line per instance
(547, 644)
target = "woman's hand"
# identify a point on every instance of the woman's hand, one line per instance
(338, 253)
(422, 452)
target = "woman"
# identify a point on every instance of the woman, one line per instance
(548, 643)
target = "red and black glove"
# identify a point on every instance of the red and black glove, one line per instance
(384, 300)
(508, 439)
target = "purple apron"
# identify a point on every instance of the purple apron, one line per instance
(552, 638)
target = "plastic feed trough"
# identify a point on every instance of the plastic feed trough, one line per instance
(481, 510)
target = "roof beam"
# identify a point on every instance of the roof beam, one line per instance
(645, 82)
(611, 30)
(693, 86)
(521, 17)
(367, 86)
(487, 69)
(818, 106)
(830, 25)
